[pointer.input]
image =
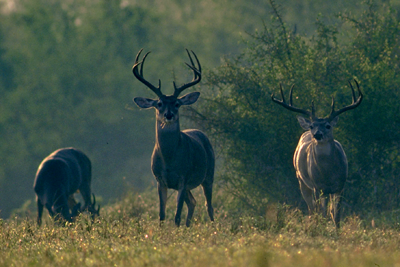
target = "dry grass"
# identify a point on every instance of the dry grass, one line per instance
(128, 234)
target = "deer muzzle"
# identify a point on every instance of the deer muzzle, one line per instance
(168, 116)
(318, 136)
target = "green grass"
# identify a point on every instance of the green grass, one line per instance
(128, 234)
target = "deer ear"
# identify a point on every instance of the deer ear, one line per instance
(334, 121)
(304, 123)
(189, 99)
(144, 102)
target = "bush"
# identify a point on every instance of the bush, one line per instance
(257, 138)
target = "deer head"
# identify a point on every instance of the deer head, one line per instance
(92, 208)
(320, 128)
(167, 107)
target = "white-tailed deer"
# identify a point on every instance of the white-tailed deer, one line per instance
(319, 160)
(181, 160)
(59, 176)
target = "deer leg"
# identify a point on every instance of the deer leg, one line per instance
(191, 204)
(320, 198)
(336, 203)
(162, 194)
(75, 210)
(182, 193)
(71, 202)
(61, 208)
(307, 194)
(40, 211)
(207, 189)
(86, 193)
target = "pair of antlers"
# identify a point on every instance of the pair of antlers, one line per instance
(311, 114)
(197, 77)
(157, 90)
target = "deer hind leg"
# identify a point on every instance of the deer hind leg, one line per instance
(336, 203)
(191, 204)
(308, 195)
(207, 189)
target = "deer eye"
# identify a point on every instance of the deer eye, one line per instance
(311, 127)
(177, 105)
(328, 126)
(159, 104)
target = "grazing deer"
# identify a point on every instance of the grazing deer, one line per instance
(319, 160)
(59, 176)
(181, 160)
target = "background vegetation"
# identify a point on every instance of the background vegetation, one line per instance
(65, 79)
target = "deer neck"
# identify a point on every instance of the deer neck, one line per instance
(324, 149)
(167, 138)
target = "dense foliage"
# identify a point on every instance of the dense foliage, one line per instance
(257, 138)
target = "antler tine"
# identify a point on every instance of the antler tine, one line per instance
(352, 91)
(312, 109)
(282, 95)
(355, 103)
(139, 74)
(290, 95)
(196, 74)
(290, 106)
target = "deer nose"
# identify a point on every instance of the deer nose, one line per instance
(168, 115)
(318, 136)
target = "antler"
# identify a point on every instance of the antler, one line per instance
(196, 73)
(353, 105)
(139, 74)
(290, 106)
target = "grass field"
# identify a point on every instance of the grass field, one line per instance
(128, 234)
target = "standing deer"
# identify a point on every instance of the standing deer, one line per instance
(319, 160)
(59, 176)
(181, 160)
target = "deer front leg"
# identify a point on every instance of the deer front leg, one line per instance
(336, 204)
(180, 199)
(86, 194)
(71, 202)
(162, 194)
(307, 194)
(320, 200)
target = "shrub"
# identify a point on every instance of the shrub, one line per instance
(256, 138)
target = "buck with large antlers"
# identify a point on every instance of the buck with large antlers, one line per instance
(59, 176)
(319, 160)
(181, 160)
